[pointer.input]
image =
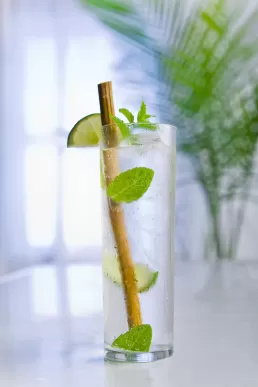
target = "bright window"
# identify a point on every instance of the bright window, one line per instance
(62, 196)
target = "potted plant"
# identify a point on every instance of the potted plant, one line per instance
(202, 63)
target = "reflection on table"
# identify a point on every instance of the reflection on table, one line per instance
(51, 330)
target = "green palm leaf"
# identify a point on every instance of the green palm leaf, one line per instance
(202, 63)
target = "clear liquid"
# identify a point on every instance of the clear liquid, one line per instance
(150, 231)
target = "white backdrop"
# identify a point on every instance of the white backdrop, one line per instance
(51, 61)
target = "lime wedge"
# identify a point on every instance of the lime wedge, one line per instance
(86, 132)
(146, 278)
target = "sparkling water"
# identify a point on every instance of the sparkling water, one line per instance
(150, 231)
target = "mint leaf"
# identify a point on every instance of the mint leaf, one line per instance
(127, 114)
(130, 185)
(137, 339)
(124, 129)
(142, 113)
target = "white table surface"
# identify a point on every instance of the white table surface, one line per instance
(51, 331)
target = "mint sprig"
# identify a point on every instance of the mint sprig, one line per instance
(142, 120)
(130, 185)
(136, 339)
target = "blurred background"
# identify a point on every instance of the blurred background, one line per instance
(195, 65)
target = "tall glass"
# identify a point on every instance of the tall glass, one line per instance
(138, 240)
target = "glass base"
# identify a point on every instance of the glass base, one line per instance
(155, 354)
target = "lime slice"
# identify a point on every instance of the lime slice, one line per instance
(86, 132)
(146, 278)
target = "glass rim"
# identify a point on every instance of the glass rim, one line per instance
(138, 124)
